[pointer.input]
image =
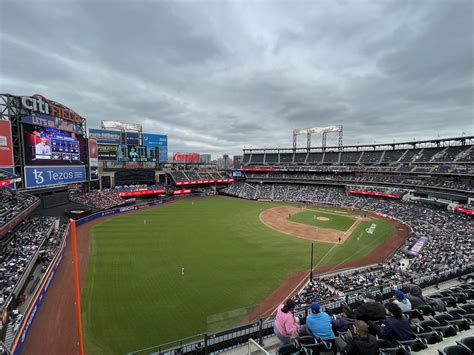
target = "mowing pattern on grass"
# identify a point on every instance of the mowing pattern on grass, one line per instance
(136, 296)
(340, 223)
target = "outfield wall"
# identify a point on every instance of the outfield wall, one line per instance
(33, 309)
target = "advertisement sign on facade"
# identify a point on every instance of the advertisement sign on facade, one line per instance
(107, 152)
(93, 160)
(186, 157)
(132, 138)
(104, 136)
(151, 141)
(6, 145)
(43, 176)
(52, 122)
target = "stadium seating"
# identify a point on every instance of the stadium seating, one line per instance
(13, 204)
(18, 249)
(196, 175)
(96, 199)
(432, 155)
(406, 181)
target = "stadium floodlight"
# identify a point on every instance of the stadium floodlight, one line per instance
(318, 130)
(301, 131)
(124, 126)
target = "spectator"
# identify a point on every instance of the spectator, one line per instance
(318, 323)
(402, 301)
(396, 326)
(416, 298)
(285, 324)
(361, 342)
(370, 310)
(342, 323)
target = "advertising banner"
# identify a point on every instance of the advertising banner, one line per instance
(107, 152)
(104, 136)
(93, 160)
(416, 248)
(464, 210)
(43, 176)
(6, 145)
(151, 141)
(186, 157)
(372, 193)
(132, 138)
(10, 183)
(52, 122)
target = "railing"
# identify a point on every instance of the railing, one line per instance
(257, 346)
(263, 328)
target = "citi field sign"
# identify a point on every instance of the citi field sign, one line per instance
(39, 103)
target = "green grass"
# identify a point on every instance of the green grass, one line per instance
(338, 222)
(135, 296)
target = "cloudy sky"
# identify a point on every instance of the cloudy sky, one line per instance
(216, 76)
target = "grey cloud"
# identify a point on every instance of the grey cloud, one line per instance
(219, 75)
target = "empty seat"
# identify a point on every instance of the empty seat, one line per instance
(445, 318)
(454, 350)
(386, 349)
(446, 329)
(467, 342)
(415, 345)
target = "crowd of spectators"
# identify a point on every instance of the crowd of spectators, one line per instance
(18, 248)
(449, 235)
(405, 181)
(193, 175)
(97, 199)
(12, 204)
(128, 188)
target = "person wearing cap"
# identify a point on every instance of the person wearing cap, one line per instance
(319, 323)
(402, 301)
(370, 310)
(359, 341)
(285, 324)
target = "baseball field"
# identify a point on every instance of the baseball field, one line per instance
(176, 270)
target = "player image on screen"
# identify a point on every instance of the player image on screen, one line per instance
(136, 153)
(132, 153)
(51, 146)
(42, 149)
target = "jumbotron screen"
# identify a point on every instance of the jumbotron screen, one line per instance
(49, 146)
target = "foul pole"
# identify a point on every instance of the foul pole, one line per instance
(77, 290)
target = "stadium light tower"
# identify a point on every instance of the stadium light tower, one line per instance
(318, 130)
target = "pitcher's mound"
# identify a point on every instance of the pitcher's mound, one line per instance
(322, 218)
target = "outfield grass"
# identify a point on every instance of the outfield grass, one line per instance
(136, 297)
(338, 222)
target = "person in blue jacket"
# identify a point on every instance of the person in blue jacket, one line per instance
(319, 323)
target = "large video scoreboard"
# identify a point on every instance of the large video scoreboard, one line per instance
(54, 145)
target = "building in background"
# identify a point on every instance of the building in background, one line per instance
(224, 163)
(237, 161)
(205, 159)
